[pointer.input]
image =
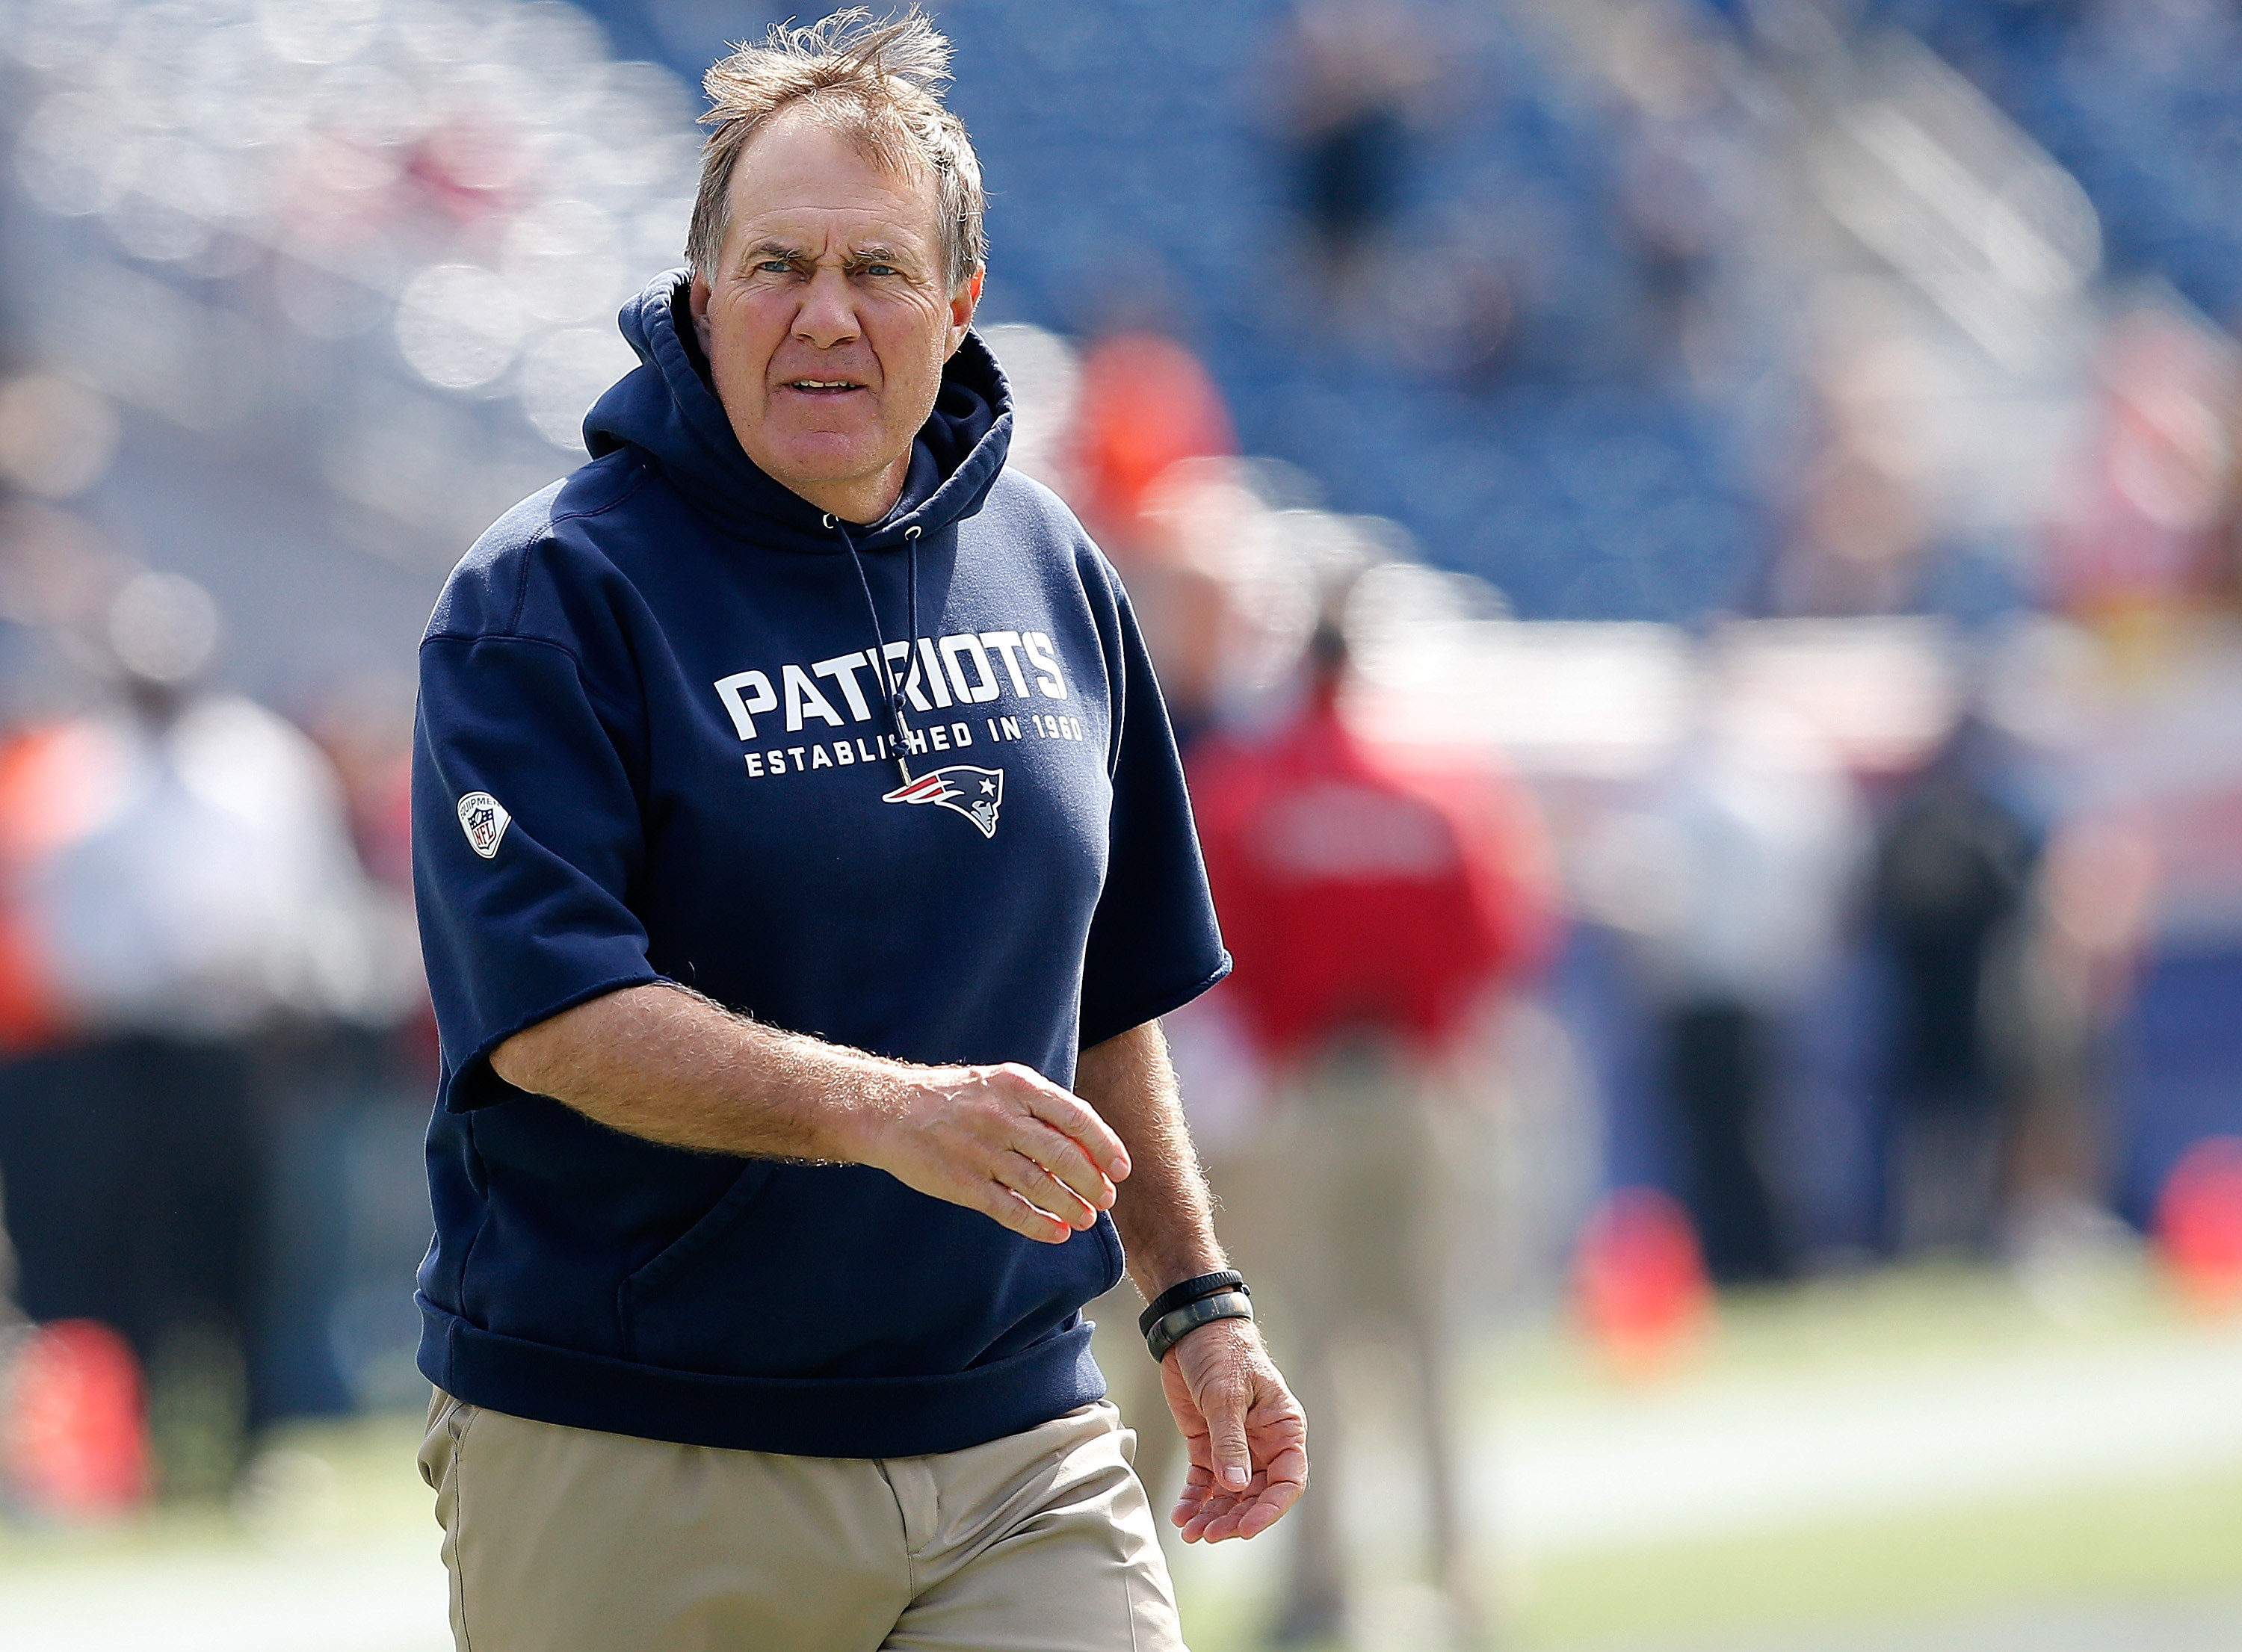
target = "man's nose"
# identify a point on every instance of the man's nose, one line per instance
(827, 316)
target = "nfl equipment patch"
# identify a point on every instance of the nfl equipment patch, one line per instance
(484, 818)
(961, 788)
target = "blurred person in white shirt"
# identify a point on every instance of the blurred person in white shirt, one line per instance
(1730, 879)
(209, 897)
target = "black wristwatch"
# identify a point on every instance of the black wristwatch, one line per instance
(1181, 1309)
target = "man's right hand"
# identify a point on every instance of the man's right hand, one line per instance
(1004, 1140)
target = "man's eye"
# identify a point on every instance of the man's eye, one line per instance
(774, 267)
(880, 269)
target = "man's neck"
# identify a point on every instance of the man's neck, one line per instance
(860, 500)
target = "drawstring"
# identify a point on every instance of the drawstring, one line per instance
(880, 669)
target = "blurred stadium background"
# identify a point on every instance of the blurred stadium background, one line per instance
(1798, 442)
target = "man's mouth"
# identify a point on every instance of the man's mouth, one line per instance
(823, 386)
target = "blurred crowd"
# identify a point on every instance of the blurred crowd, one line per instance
(1695, 552)
(1604, 963)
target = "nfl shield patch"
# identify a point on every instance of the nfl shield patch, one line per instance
(484, 818)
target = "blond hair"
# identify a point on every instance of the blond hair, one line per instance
(878, 83)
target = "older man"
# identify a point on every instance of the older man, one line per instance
(797, 819)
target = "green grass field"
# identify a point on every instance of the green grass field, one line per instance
(2109, 1542)
(2119, 1539)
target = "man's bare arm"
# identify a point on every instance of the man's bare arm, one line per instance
(1244, 1431)
(669, 1065)
(1166, 1217)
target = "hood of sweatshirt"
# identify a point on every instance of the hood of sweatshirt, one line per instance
(666, 408)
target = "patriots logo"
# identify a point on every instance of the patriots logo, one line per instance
(961, 788)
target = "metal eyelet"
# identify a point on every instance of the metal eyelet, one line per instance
(911, 532)
(829, 519)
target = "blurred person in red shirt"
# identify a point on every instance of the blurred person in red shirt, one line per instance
(1146, 406)
(1375, 913)
(1148, 411)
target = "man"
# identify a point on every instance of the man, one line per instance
(796, 818)
(1376, 906)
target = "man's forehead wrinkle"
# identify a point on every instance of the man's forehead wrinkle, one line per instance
(789, 200)
(866, 243)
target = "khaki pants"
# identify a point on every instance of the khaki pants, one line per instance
(564, 1540)
(1338, 1215)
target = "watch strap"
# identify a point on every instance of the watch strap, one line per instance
(1190, 1290)
(1177, 1323)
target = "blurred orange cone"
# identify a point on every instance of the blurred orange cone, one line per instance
(1639, 1282)
(76, 1440)
(2199, 1223)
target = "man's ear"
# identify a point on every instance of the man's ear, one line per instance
(697, 302)
(962, 305)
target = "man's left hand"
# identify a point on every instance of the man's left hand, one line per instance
(1245, 1434)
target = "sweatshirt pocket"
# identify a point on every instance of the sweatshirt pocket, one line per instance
(840, 1271)
(679, 1256)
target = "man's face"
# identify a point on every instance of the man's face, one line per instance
(828, 323)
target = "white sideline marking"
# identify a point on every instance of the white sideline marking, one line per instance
(2213, 1625)
(1702, 1459)
(388, 1597)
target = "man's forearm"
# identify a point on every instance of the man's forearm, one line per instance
(1163, 1211)
(669, 1065)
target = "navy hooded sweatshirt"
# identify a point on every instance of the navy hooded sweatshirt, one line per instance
(652, 746)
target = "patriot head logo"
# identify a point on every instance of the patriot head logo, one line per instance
(484, 818)
(977, 793)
